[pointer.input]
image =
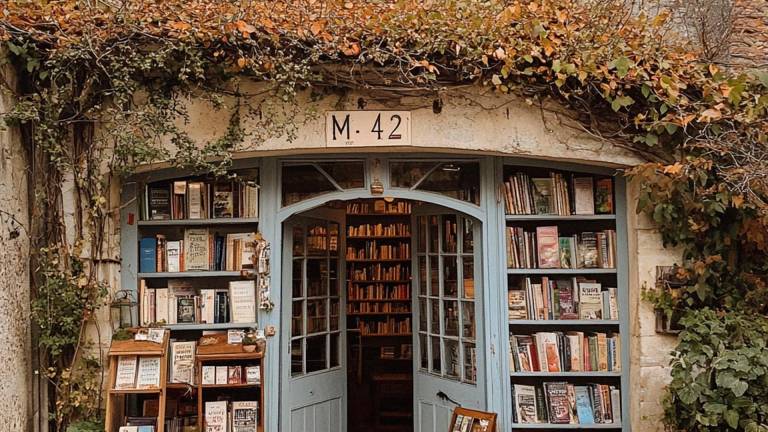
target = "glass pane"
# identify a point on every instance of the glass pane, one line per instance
(422, 314)
(423, 350)
(450, 277)
(316, 353)
(450, 232)
(333, 238)
(317, 240)
(421, 247)
(434, 315)
(451, 313)
(296, 357)
(434, 276)
(422, 275)
(405, 174)
(467, 235)
(335, 308)
(434, 225)
(452, 367)
(298, 241)
(317, 277)
(348, 175)
(335, 348)
(460, 180)
(298, 278)
(317, 319)
(468, 320)
(303, 181)
(470, 363)
(468, 275)
(297, 318)
(435, 344)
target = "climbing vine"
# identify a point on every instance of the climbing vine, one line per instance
(104, 87)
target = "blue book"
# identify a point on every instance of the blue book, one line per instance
(146, 429)
(148, 255)
(584, 406)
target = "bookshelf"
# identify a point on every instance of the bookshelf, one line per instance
(542, 200)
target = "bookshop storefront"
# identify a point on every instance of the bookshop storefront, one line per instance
(392, 285)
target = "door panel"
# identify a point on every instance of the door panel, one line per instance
(449, 338)
(313, 388)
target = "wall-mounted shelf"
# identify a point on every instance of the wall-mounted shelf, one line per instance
(189, 274)
(198, 222)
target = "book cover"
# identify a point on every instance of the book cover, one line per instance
(253, 374)
(245, 416)
(126, 373)
(234, 374)
(222, 376)
(161, 305)
(602, 352)
(185, 310)
(149, 372)
(223, 200)
(216, 416)
(208, 375)
(242, 297)
(590, 301)
(543, 196)
(572, 403)
(575, 343)
(457, 423)
(548, 250)
(566, 300)
(173, 252)
(566, 250)
(183, 362)
(616, 404)
(525, 404)
(604, 196)
(209, 308)
(195, 202)
(613, 304)
(196, 249)
(128, 429)
(557, 402)
(546, 345)
(159, 202)
(583, 196)
(517, 305)
(584, 405)
(148, 255)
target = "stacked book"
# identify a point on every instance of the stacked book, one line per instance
(562, 299)
(565, 352)
(234, 416)
(546, 249)
(557, 195)
(565, 403)
(200, 200)
(181, 303)
(199, 250)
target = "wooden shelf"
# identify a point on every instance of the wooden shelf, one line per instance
(565, 426)
(189, 274)
(564, 322)
(199, 222)
(204, 326)
(560, 218)
(553, 271)
(133, 347)
(135, 391)
(590, 374)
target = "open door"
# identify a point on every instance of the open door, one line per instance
(313, 388)
(449, 355)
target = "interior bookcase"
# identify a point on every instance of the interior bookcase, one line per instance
(608, 277)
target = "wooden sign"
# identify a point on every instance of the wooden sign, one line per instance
(367, 128)
(469, 420)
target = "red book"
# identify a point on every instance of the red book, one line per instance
(548, 247)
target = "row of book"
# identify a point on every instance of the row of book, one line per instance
(377, 308)
(546, 249)
(558, 195)
(380, 230)
(374, 250)
(231, 374)
(562, 299)
(380, 272)
(379, 206)
(181, 303)
(231, 416)
(565, 352)
(200, 200)
(379, 292)
(200, 250)
(390, 326)
(566, 403)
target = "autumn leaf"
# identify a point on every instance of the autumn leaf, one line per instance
(179, 25)
(710, 115)
(317, 27)
(351, 49)
(673, 169)
(241, 62)
(737, 200)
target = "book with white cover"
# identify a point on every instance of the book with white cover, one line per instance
(126, 373)
(161, 305)
(245, 416)
(149, 372)
(196, 249)
(209, 375)
(128, 429)
(590, 301)
(208, 312)
(242, 298)
(525, 404)
(253, 374)
(195, 202)
(549, 357)
(173, 251)
(216, 419)
(222, 376)
(183, 362)
(575, 341)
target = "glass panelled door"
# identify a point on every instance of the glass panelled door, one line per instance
(314, 386)
(449, 352)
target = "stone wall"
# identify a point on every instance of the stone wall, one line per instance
(15, 369)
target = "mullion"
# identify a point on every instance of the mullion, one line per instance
(460, 293)
(440, 292)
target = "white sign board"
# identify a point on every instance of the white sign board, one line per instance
(367, 128)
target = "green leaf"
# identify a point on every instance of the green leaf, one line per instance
(621, 102)
(732, 418)
(645, 90)
(651, 139)
(622, 65)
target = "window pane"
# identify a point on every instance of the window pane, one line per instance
(451, 312)
(298, 241)
(422, 314)
(468, 320)
(317, 319)
(435, 343)
(298, 278)
(405, 174)
(335, 348)
(317, 277)
(450, 232)
(335, 308)
(297, 318)
(316, 353)
(470, 363)
(423, 350)
(468, 276)
(450, 277)
(460, 180)
(303, 181)
(296, 357)
(468, 241)
(452, 367)
(434, 276)
(434, 316)
(422, 227)
(422, 275)
(348, 175)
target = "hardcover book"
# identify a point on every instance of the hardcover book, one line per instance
(517, 305)
(542, 196)
(245, 416)
(195, 202)
(148, 255)
(566, 300)
(223, 201)
(185, 310)
(525, 404)
(174, 253)
(196, 249)
(557, 402)
(253, 374)
(590, 301)
(604, 196)
(208, 375)
(159, 202)
(234, 374)
(583, 196)
(548, 250)
(222, 376)
(584, 405)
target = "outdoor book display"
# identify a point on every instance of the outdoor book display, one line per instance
(469, 420)
(564, 297)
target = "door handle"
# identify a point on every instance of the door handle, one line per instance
(444, 397)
